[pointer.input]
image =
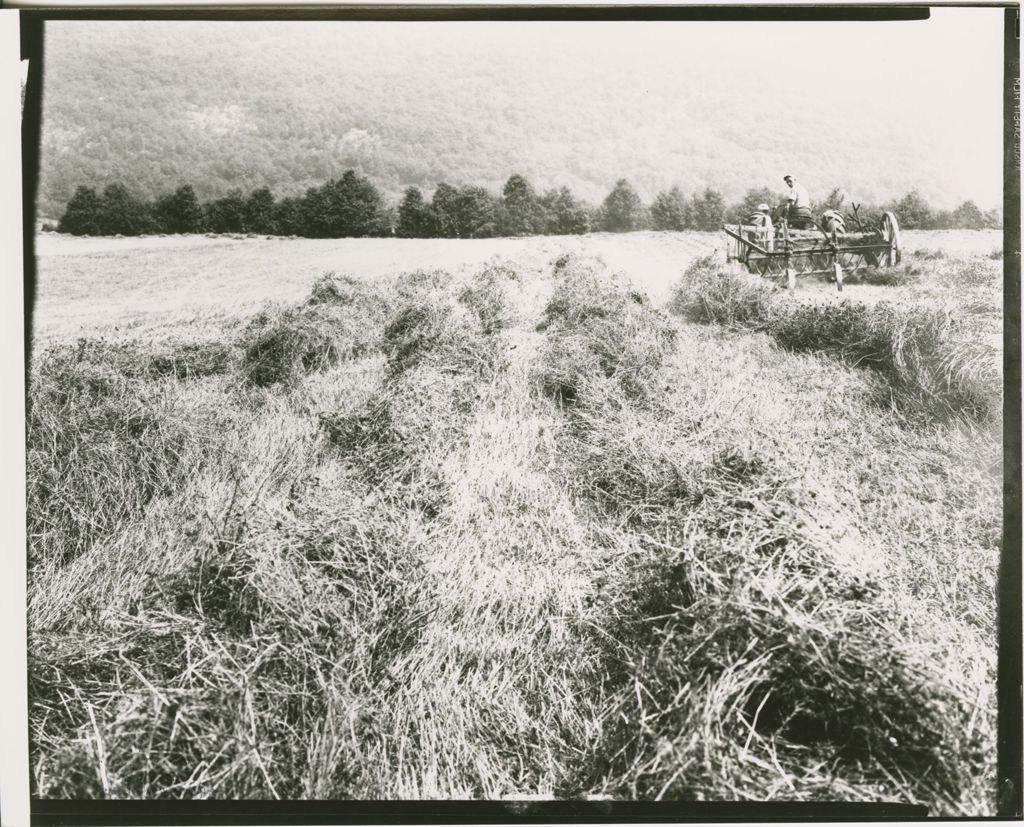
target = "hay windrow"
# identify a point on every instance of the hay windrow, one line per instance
(489, 294)
(438, 350)
(600, 330)
(332, 288)
(284, 348)
(103, 441)
(915, 345)
(268, 629)
(757, 585)
(751, 615)
(341, 320)
(707, 292)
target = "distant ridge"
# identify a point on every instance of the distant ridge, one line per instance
(244, 105)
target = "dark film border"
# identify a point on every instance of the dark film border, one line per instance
(53, 813)
(1008, 693)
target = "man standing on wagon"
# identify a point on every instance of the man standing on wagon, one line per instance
(797, 205)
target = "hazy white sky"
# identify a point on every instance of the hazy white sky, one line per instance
(943, 75)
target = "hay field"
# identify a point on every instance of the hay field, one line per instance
(93, 285)
(568, 518)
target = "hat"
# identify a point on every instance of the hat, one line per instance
(787, 175)
(763, 208)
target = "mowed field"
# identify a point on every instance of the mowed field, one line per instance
(585, 517)
(94, 285)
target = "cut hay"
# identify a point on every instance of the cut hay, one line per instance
(599, 330)
(331, 288)
(102, 442)
(543, 541)
(754, 637)
(489, 295)
(284, 347)
(898, 276)
(193, 360)
(708, 292)
(748, 636)
(201, 692)
(443, 332)
(913, 344)
(437, 351)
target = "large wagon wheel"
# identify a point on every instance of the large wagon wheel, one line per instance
(891, 235)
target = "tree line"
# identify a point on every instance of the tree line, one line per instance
(351, 206)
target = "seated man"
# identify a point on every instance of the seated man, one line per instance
(832, 220)
(761, 218)
(797, 205)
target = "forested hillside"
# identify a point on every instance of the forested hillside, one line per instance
(292, 105)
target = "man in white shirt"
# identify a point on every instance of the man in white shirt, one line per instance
(797, 205)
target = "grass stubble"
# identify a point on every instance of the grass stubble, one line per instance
(517, 535)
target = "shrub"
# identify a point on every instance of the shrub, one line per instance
(969, 217)
(669, 211)
(707, 210)
(622, 210)
(521, 211)
(741, 212)
(82, 214)
(565, 215)
(913, 212)
(415, 217)
(123, 213)
(227, 214)
(476, 213)
(180, 212)
(346, 207)
(259, 211)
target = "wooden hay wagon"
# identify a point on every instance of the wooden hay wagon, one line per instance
(785, 253)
